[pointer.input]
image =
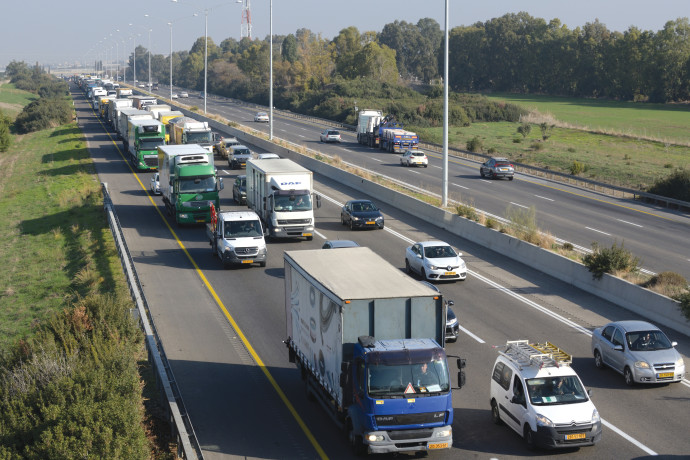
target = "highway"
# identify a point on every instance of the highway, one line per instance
(581, 217)
(223, 329)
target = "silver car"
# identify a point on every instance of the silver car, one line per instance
(155, 184)
(435, 261)
(639, 351)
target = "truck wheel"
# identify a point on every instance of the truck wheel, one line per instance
(356, 443)
(495, 415)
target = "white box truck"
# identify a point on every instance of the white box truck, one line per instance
(123, 121)
(280, 192)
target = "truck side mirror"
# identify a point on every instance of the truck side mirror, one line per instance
(220, 183)
(461, 363)
(318, 200)
(461, 379)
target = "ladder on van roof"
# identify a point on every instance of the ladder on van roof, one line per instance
(524, 353)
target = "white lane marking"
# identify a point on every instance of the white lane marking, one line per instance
(471, 334)
(629, 223)
(629, 438)
(416, 172)
(461, 186)
(484, 180)
(598, 231)
(520, 205)
(322, 236)
(376, 159)
(434, 166)
(544, 198)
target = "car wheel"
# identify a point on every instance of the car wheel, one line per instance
(426, 166)
(481, 172)
(628, 376)
(423, 275)
(352, 225)
(495, 415)
(528, 436)
(598, 361)
(262, 264)
(510, 178)
(342, 220)
(408, 269)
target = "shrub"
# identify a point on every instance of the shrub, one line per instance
(537, 146)
(677, 185)
(546, 130)
(684, 300)
(474, 144)
(517, 140)
(567, 246)
(577, 168)
(5, 137)
(43, 113)
(490, 222)
(491, 151)
(668, 165)
(571, 149)
(523, 223)
(667, 283)
(467, 211)
(610, 260)
(524, 129)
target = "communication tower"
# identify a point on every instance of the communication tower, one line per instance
(246, 26)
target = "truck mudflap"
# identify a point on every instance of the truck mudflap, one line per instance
(415, 440)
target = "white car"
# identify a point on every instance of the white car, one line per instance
(155, 184)
(174, 96)
(414, 157)
(184, 94)
(261, 117)
(330, 135)
(435, 261)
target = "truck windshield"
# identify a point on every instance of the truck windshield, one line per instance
(402, 380)
(150, 143)
(293, 202)
(556, 390)
(197, 184)
(199, 138)
(242, 229)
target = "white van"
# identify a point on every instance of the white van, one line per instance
(536, 393)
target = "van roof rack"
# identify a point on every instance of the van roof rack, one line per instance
(523, 353)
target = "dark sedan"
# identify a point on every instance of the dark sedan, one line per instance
(361, 214)
(239, 190)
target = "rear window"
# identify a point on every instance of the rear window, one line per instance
(333, 133)
(502, 163)
(417, 154)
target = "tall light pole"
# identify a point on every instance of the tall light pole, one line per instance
(171, 55)
(444, 193)
(270, 72)
(150, 86)
(134, 74)
(117, 58)
(205, 56)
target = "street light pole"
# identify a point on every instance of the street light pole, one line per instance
(171, 54)
(205, 57)
(270, 73)
(444, 194)
(149, 88)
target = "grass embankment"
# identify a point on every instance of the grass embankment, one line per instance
(71, 357)
(626, 144)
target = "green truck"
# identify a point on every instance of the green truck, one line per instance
(188, 182)
(143, 139)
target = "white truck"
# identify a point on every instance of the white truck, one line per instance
(125, 116)
(280, 192)
(237, 238)
(114, 109)
(156, 109)
(366, 121)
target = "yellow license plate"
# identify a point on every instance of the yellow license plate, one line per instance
(371, 222)
(248, 261)
(575, 436)
(201, 220)
(438, 445)
(449, 273)
(665, 375)
(306, 234)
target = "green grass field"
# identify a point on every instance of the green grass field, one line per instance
(613, 140)
(12, 100)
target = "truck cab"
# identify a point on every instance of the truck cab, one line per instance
(237, 238)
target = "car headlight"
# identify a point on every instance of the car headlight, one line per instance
(433, 267)
(355, 218)
(680, 363)
(595, 416)
(453, 322)
(463, 266)
(641, 365)
(543, 421)
(444, 433)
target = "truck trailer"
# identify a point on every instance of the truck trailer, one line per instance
(189, 183)
(156, 109)
(143, 138)
(366, 121)
(367, 341)
(187, 130)
(114, 109)
(125, 116)
(280, 192)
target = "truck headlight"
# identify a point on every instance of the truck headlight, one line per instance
(374, 437)
(543, 421)
(444, 433)
(641, 365)
(595, 416)
(184, 216)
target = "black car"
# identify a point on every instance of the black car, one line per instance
(239, 190)
(361, 214)
(452, 324)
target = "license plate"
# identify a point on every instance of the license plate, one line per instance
(575, 436)
(306, 234)
(247, 261)
(665, 375)
(371, 222)
(449, 273)
(438, 445)
(201, 220)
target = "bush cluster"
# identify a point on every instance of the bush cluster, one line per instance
(676, 186)
(5, 135)
(42, 114)
(610, 260)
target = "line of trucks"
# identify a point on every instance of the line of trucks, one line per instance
(384, 133)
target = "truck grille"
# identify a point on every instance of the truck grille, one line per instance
(247, 251)
(198, 204)
(294, 222)
(151, 162)
(402, 435)
(410, 419)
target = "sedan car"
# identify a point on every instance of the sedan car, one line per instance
(452, 325)
(361, 214)
(173, 96)
(435, 261)
(414, 157)
(184, 94)
(261, 117)
(239, 190)
(495, 168)
(155, 184)
(330, 135)
(639, 350)
(335, 244)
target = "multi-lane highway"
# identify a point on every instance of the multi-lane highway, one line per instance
(223, 329)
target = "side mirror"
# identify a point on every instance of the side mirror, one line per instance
(220, 183)
(589, 393)
(461, 363)
(674, 344)
(618, 347)
(461, 379)
(318, 200)
(450, 303)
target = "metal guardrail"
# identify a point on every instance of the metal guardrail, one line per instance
(182, 430)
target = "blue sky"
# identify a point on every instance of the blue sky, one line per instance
(81, 30)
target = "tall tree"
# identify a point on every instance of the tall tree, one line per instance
(346, 45)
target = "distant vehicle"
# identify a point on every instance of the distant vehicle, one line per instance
(495, 168)
(330, 135)
(155, 184)
(334, 244)
(267, 156)
(361, 214)
(155, 86)
(452, 325)
(261, 117)
(174, 96)
(184, 94)
(141, 85)
(414, 157)
(223, 146)
(238, 156)
(435, 261)
(639, 351)
(239, 190)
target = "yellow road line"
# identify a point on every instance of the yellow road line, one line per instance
(227, 314)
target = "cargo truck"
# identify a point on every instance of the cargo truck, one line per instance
(366, 121)
(397, 140)
(187, 130)
(143, 138)
(114, 109)
(237, 238)
(123, 92)
(391, 392)
(189, 183)
(280, 192)
(123, 121)
(140, 102)
(156, 109)
(165, 117)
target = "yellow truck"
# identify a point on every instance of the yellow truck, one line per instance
(165, 117)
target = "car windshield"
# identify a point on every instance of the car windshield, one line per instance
(242, 229)
(647, 340)
(242, 182)
(402, 380)
(241, 152)
(556, 390)
(363, 207)
(198, 184)
(437, 252)
(293, 202)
